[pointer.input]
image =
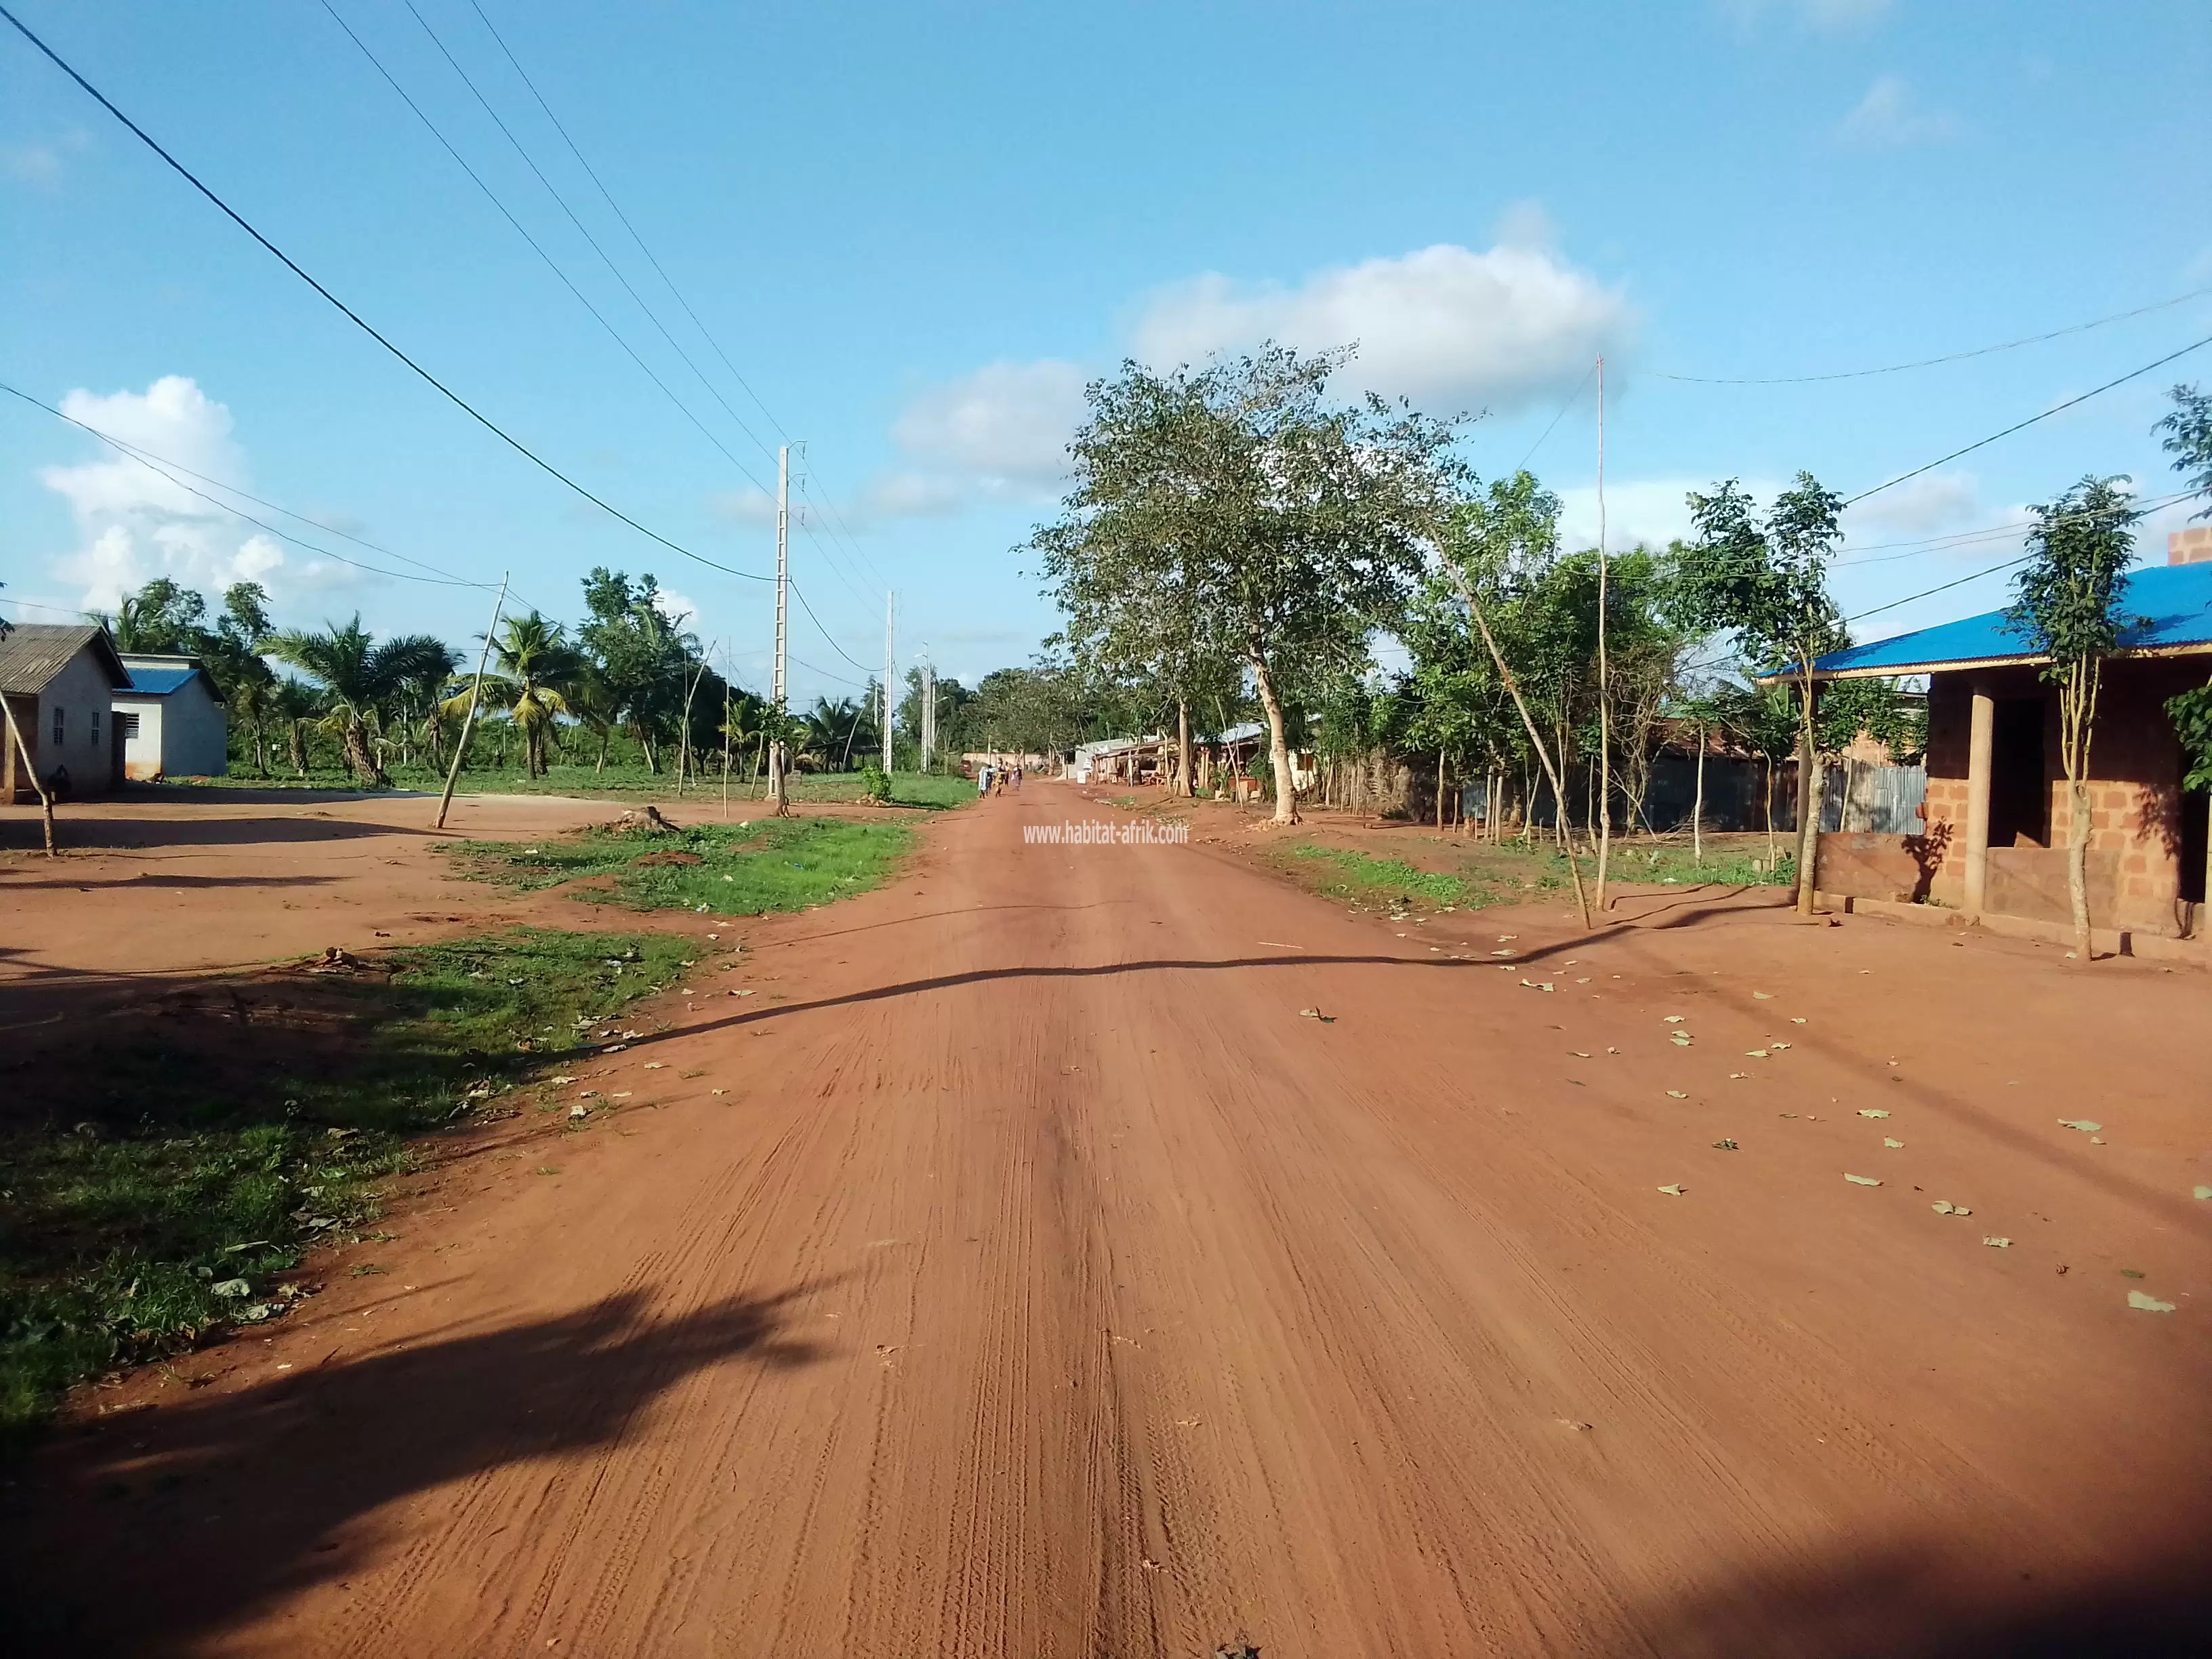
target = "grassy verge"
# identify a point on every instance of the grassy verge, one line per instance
(1363, 878)
(1669, 863)
(174, 1173)
(726, 869)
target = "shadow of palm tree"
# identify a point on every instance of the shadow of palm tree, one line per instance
(231, 1503)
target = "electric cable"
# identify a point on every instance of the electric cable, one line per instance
(363, 324)
(1981, 443)
(1951, 357)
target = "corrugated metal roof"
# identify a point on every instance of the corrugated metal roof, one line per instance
(2175, 600)
(32, 653)
(147, 682)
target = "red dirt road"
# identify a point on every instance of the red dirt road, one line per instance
(1044, 1283)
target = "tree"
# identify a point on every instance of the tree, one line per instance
(356, 674)
(1765, 722)
(537, 666)
(639, 652)
(1492, 545)
(1280, 522)
(160, 617)
(2188, 430)
(1768, 583)
(2069, 607)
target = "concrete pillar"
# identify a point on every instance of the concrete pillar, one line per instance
(1980, 743)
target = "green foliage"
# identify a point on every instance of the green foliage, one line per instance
(876, 784)
(159, 1207)
(1362, 875)
(1236, 514)
(1877, 708)
(2188, 430)
(2192, 713)
(741, 869)
(2070, 593)
(1764, 581)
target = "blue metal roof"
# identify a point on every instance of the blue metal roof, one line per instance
(157, 682)
(2175, 600)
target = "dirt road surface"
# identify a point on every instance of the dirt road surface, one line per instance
(1019, 1271)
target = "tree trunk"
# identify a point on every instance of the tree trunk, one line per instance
(1440, 792)
(1279, 747)
(1771, 852)
(1183, 785)
(2077, 867)
(1698, 809)
(357, 756)
(1808, 804)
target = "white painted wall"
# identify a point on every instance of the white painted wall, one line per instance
(185, 734)
(81, 692)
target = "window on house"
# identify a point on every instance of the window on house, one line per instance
(95, 728)
(128, 724)
(60, 726)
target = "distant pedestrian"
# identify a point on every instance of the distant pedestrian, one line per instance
(1017, 777)
(983, 781)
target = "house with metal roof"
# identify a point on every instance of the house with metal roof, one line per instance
(172, 719)
(60, 681)
(1997, 819)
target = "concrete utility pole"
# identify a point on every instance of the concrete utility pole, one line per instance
(890, 667)
(777, 758)
(476, 701)
(928, 709)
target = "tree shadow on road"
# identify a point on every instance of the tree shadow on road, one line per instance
(148, 1532)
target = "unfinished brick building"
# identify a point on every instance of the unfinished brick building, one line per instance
(1997, 814)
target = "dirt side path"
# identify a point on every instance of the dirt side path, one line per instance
(1043, 1283)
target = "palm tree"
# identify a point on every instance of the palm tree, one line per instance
(356, 675)
(292, 704)
(536, 663)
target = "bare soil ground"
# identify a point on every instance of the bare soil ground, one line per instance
(1021, 1269)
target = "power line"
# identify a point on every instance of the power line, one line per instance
(653, 259)
(160, 465)
(1561, 415)
(358, 321)
(2132, 374)
(825, 632)
(536, 247)
(1952, 357)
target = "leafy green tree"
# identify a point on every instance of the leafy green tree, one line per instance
(356, 674)
(1768, 583)
(2069, 605)
(1877, 708)
(1282, 525)
(643, 658)
(2188, 430)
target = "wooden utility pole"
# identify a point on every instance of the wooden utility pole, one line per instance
(31, 768)
(890, 667)
(1604, 682)
(476, 701)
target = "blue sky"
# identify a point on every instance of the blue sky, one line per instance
(916, 229)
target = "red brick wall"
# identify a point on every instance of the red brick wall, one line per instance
(2134, 784)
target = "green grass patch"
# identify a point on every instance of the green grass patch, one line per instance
(726, 869)
(1363, 876)
(202, 1145)
(1671, 863)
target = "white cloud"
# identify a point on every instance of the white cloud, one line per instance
(31, 164)
(1007, 421)
(1651, 511)
(1889, 117)
(134, 524)
(1927, 505)
(1442, 326)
